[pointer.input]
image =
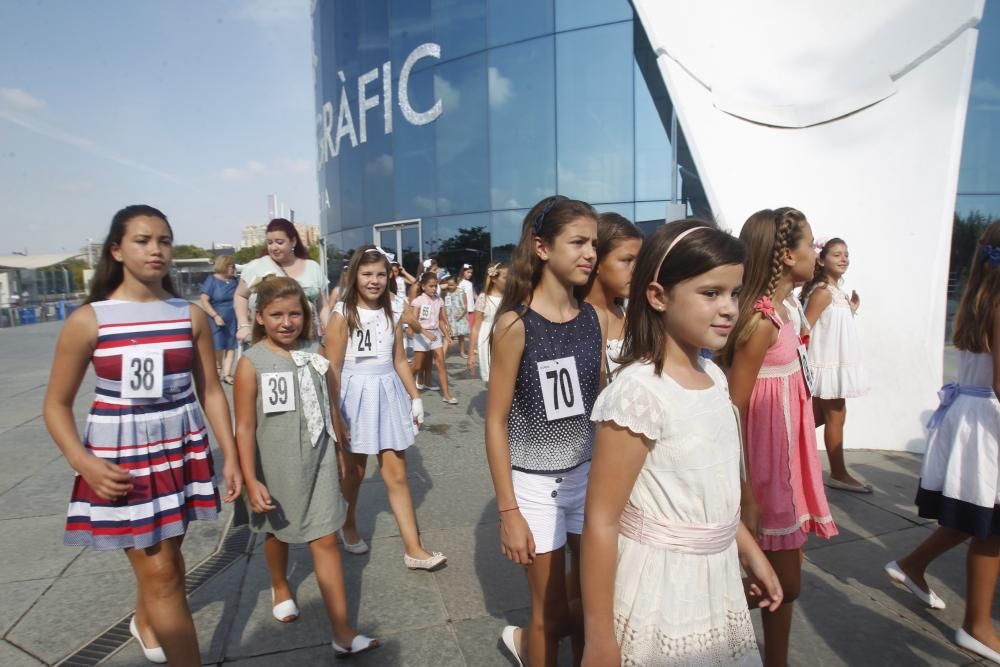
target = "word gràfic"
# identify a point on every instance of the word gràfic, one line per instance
(329, 138)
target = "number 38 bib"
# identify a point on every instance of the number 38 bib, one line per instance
(142, 374)
(560, 388)
(277, 392)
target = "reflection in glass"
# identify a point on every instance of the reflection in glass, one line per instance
(581, 13)
(653, 153)
(462, 137)
(463, 239)
(522, 123)
(649, 215)
(459, 26)
(413, 154)
(409, 25)
(513, 20)
(626, 210)
(595, 113)
(505, 233)
(410, 257)
(980, 169)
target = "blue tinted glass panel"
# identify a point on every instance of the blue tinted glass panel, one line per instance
(595, 113)
(505, 232)
(986, 206)
(355, 238)
(581, 13)
(410, 25)
(627, 209)
(463, 239)
(522, 123)
(462, 140)
(653, 154)
(513, 20)
(413, 153)
(980, 169)
(459, 26)
(649, 215)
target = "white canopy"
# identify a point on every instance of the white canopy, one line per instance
(33, 261)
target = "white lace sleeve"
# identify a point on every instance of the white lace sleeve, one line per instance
(632, 404)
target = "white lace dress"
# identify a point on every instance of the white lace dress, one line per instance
(835, 350)
(675, 608)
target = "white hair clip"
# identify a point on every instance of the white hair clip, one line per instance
(388, 255)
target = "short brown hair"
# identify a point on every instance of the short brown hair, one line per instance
(277, 287)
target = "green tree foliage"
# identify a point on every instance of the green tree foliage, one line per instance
(469, 246)
(246, 255)
(187, 251)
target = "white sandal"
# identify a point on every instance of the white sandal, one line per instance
(507, 636)
(154, 654)
(358, 548)
(896, 574)
(359, 644)
(436, 560)
(284, 612)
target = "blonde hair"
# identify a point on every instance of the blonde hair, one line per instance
(766, 235)
(278, 287)
(492, 273)
(222, 263)
(981, 297)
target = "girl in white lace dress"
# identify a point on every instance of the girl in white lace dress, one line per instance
(835, 355)
(663, 500)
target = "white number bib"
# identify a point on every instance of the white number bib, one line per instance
(425, 312)
(807, 373)
(447, 301)
(142, 374)
(364, 342)
(560, 388)
(277, 392)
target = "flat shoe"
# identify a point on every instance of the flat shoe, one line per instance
(359, 644)
(970, 643)
(436, 560)
(421, 387)
(358, 548)
(507, 636)
(154, 654)
(284, 612)
(931, 599)
(433, 387)
(844, 486)
(450, 401)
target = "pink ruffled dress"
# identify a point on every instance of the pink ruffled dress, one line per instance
(784, 467)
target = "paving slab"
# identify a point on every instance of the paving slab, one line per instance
(18, 597)
(33, 548)
(12, 656)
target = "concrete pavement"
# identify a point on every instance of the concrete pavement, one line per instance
(56, 600)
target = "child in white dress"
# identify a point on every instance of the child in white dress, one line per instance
(835, 355)
(663, 500)
(482, 321)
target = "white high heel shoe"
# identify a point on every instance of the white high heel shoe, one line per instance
(154, 654)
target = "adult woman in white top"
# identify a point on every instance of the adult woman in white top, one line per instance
(285, 255)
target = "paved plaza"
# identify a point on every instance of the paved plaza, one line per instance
(56, 600)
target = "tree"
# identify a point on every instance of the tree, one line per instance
(187, 251)
(469, 246)
(247, 255)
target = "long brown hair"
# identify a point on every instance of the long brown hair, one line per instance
(288, 227)
(612, 230)
(819, 273)
(110, 272)
(981, 298)
(544, 221)
(766, 235)
(362, 257)
(697, 253)
(277, 287)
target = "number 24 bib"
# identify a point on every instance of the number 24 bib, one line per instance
(560, 388)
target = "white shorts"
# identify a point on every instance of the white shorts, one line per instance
(422, 344)
(552, 504)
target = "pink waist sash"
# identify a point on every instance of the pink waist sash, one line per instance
(690, 538)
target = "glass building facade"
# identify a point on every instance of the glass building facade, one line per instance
(441, 122)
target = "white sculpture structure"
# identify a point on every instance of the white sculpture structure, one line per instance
(854, 113)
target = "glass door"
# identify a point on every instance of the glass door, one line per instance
(404, 239)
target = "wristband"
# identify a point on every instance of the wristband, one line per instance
(244, 326)
(509, 509)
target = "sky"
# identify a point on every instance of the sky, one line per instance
(200, 108)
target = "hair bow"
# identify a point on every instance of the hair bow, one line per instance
(493, 270)
(820, 244)
(427, 263)
(388, 255)
(990, 255)
(466, 266)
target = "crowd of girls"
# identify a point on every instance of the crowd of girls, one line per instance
(654, 497)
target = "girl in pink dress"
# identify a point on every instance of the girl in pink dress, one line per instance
(768, 378)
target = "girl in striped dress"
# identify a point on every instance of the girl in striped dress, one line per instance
(380, 407)
(143, 464)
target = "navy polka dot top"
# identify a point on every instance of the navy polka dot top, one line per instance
(536, 444)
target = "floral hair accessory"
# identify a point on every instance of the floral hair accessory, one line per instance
(990, 255)
(493, 270)
(764, 306)
(820, 244)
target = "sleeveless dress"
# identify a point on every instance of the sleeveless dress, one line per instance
(835, 350)
(672, 606)
(458, 315)
(373, 400)
(960, 478)
(162, 441)
(488, 306)
(300, 474)
(220, 295)
(784, 468)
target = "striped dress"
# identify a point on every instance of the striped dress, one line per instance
(162, 441)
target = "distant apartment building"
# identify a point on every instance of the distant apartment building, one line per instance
(255, 234)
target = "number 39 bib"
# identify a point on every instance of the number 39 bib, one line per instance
(142, 374)
(560, 388)
(277, 392)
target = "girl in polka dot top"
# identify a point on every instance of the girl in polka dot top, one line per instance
(546, 371)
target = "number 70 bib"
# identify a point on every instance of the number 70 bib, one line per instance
(560, 388)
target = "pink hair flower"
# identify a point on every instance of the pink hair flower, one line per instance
(819, 244)
(764, 306)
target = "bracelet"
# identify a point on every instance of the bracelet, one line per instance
(244, 326)
(509, 509)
